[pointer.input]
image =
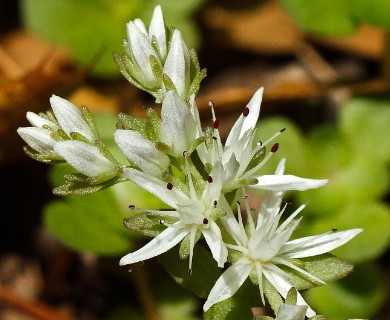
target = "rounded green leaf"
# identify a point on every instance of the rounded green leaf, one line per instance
(359, 295)
(365, 122)
(373, 218)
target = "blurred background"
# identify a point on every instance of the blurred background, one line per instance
(325, 66)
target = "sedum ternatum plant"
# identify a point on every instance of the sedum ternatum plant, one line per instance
(204, 180)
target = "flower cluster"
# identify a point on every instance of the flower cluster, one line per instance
(190, 168)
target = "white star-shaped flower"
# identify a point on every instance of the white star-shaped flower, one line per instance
(194, 215)
(264, 245)
(239, 155)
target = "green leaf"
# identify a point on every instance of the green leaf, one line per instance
(360, 295)
(326, 267)
(365, 122)
(237, 307)
(204, 270)
(373, 218)
(327, 17)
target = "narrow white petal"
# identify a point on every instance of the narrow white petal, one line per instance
(157, 187)
(244, 124)
(141, 49)
(254, 112)
(178, 127)
(158, 245)
(39, 122)
(157, 29)
(212, 191)
(141, 26)
(316, 245)
(70, 118)
(213, 238)
(287, 182)
(141, 151)
(38, 139)
(85, 158)
(176, 66)
(227, 284)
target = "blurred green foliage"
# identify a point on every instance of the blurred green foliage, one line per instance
(354, 154)
(337, 17)
(88, 28)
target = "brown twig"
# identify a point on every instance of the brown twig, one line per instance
(35, 309)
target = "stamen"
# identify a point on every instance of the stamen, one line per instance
(132, 207)
(169, 186)
(275, 147)
(334, 229)
(211, 104)
(245, 196)
(215, 138)
(209, 179)
(162, 222)
(259, 143)
(189, 177)
(205, 221)
(189, 271)
(245, 112)
(215, 203)
(185, 154)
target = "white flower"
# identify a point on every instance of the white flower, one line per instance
(142, 152)
(178, 127)
(195, 215)
(86, 158)
(70, 119)
(264, 244)
(238, 153)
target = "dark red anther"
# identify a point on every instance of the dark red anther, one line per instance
(205, 221)
(215, 203)
(216, 123)
(132, 207)
(210, 179)
(275, 147)
(169, 186)
(245, 112)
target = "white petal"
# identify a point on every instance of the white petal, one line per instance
(228, 284)
(178, 127)
(213, 238)
(176, 66)
(85, 158)
(316, 245)
(282, 285)
(157, 29)
(141, 151)
(287, 182)
(212, 191)
(141, 26)
(244, 124)
(158, 245)
(38, 139)
(141, 49)
(291, 312)
(156, 187)
(70, 118)
(39, 122)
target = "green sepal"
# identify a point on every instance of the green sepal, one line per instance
(195, 84)
(79, 137)
(153, 125)
(50, 158)
(142, 224)
(163, 147)
(126, 67)
(156, 68)
(89, 119)
(273, 296)
(49, 115)
(291, 297)
(158, 217)
(129, 122)
(326, 267)
(79, 184)
(318, 317)
(59, 135)
(168, 84)
(257, 158)
(184, 250)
